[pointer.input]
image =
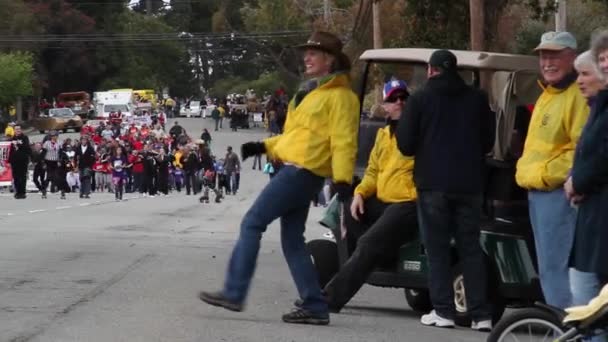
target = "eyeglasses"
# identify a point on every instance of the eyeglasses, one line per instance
(403, 98)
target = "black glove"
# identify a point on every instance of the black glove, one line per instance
(252, 149)
(344, 191)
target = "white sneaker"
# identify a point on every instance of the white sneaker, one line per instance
(485, 325)
(433, 318)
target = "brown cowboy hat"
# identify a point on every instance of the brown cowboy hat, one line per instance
(329, 43)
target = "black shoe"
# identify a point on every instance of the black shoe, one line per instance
(218, 299)
(87, 196)
(301, 316)
(81, 196)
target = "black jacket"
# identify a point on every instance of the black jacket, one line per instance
(590, 178)
(21, 151)
(176, 131)
(191, 162)
(38, 159)
(448, 127)
(87, 159)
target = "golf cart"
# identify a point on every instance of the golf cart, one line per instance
(506, 234)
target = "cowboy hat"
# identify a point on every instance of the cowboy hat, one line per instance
(329, 43)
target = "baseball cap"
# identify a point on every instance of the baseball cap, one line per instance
(444, 59)
(392, 86)
(556, 41)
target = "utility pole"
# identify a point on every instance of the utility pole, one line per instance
(149, 7)
(326, 12)
(560, 15)
(377, 36)
(477, 13)
(376, 24)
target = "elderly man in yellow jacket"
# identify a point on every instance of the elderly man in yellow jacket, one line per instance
(319, 141)
(383, 211)
(555, 127)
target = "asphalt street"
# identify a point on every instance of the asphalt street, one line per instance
(99, 270)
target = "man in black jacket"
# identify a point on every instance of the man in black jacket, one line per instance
(85, 157)
(19, 159)
(447, 126)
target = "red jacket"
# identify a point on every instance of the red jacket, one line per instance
(100, 167)
(138, 145)
(138, 164)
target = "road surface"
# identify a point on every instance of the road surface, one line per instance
(98, 270)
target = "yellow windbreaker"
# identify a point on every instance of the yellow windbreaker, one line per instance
(177, 162)
(320, 134)
(9, 131)
(389, 174)
(556, 125)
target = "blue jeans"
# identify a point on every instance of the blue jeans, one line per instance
(553, 222)
(287, 196)
(585, 286)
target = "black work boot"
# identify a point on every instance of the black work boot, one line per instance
(301, 316)
(218, 299)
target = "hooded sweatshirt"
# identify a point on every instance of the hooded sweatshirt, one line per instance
(448, 127)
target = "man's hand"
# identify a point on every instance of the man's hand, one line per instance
(252, 149)
(569, 189)
(357, 207)
(344, 191)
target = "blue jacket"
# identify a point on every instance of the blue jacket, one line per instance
(590, 178)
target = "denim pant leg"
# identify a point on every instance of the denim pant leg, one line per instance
(585, 286)
(553, 222)
(467, 217)
(288, 194)
(299, 261)
(85, 188)
(434, 223)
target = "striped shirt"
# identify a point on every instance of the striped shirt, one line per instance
(52, 150)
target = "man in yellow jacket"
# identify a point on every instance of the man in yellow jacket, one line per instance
(383, 211)
(319, 141)
(555, 127)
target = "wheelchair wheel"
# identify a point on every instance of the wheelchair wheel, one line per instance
(531, 324)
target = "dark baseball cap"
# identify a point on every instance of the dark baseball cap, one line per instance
(444, 59)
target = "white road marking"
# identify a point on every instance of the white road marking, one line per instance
(64, 207)
(84, 204)
(36, 211)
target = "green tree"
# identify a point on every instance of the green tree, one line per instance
(16, 71)
(16, 18)
(150, 65)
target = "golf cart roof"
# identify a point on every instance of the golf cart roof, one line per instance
(466, 59)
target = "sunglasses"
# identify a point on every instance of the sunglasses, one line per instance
(394, 99)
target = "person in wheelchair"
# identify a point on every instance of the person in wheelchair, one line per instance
(383, 210)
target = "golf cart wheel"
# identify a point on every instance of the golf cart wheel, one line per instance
(65, 130)
(527, 325)
(77, 129)
(418, 299)
(324, 255)
(462, 317)
(41, 131)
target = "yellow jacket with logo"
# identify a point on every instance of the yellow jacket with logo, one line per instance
(389, 174)
(557, 121)
(9, 131)
(320, 134)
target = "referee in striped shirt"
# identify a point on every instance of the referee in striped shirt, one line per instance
(51, 159)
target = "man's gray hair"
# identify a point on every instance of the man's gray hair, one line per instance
(599, 43)
(587, 59)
